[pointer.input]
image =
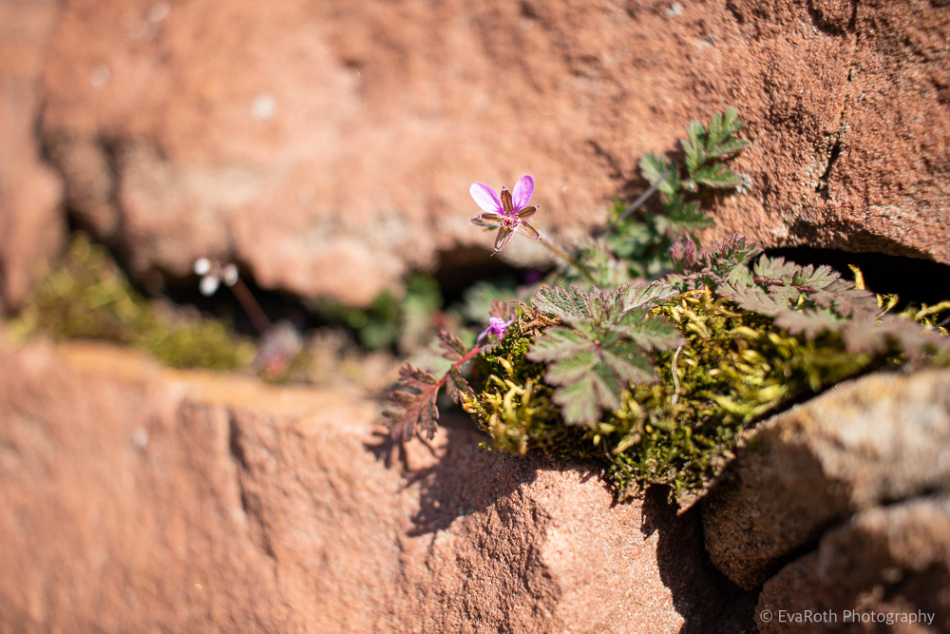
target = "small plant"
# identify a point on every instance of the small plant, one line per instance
(280, 343)
(636, 245)
(658, 378)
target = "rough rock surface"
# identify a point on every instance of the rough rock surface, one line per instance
(885, 561)
(879, 439)
(31, 222)
(328, 146)
(139, 499)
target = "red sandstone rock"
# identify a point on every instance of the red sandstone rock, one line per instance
(137, 499)
(878, 439)
(329, 146)
(31, 224)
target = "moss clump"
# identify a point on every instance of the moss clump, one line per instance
(734, 367)
(89, 298)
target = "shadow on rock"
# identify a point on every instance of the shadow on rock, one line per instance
(706, 599)
(466, 477)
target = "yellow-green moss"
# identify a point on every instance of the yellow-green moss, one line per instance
(735, 367)
(90, 298)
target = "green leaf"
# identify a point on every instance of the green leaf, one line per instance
(650, 333)
(753, 299)
(589, 371)
(635, 295)
(718, 140)
(695, 146)
(715, 175)
(652, 167)
(569, 304)
(721, 140)
(775, 270)
(682, 217)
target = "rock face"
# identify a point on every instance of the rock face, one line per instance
(876, 440)
(885, 563)
(328, 147)
(31, 223)
(135, 499)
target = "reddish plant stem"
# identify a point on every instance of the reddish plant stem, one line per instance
(251, 307)
(458, 364)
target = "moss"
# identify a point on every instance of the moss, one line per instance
(90, 298)
(734, 367)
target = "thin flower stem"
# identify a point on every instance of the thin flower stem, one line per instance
(641, 199)
(251, 307)
(458, 364)
(564, 256)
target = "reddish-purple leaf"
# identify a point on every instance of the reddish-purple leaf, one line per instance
(456, 386)
(500, 309)
(452, 348)
(411, 410)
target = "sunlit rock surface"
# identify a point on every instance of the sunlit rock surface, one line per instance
(136, 498)
(328, 147)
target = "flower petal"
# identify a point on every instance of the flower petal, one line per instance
(202, 266)
(526, 229)
(527, 212)
(485, 197)
(506, 201)
(504, 235)
(487, 219)
(208, 285)
(524, 190)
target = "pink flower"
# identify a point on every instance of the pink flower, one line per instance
(496, 326)
(509, 211)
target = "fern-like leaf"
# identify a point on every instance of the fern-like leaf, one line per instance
(715, 141)
(500, 309)
(653, 166)
(452, 348)
(809, 323)
(721, 140)
(775, 270)
(411, 408)
(457, 387)
(754, 299)
(606, 347)
(716, 175)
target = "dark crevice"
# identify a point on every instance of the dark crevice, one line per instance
(461, 267)
(528, 11)
(828, 24)
(456, 271)
(822, 186)
(234, 444)
(914, 280)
